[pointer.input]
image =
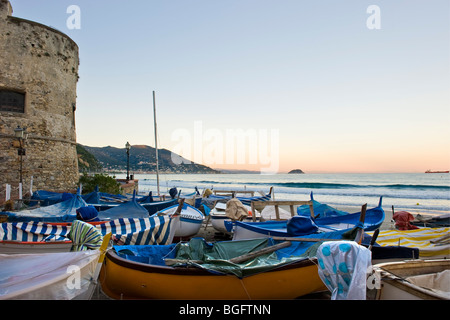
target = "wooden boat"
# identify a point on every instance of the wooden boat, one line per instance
(248, 230)
(39, 237)
(124, 277)
(230, 270)
(51, 276)
(190, 221)
(411, 280)
(438, 221)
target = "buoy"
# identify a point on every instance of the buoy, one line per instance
(417, 204)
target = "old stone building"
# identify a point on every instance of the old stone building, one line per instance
(38, 79)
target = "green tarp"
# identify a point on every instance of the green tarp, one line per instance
(215, 257)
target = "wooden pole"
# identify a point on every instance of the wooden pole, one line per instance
(258, 253)
(156, 142)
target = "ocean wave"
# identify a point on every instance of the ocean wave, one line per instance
(323, 185)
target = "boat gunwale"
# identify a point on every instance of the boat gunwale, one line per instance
(2, 242)
(192, 270)
(401, 282)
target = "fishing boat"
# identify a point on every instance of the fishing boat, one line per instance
(52, 276)
(411, 280)
(429, 171)
(201, 270)
(39, 237)
(300, 225)
(190, 221)
(435, 221)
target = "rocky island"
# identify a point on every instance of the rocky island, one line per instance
(296, 171)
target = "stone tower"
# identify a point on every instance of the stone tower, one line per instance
(38, 79)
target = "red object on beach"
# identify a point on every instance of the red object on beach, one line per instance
(402, 219)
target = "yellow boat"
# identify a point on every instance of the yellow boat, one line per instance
(124, 279)
(263, 268)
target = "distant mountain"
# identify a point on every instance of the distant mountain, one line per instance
(142, 160)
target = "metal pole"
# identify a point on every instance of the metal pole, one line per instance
(156, 142)
(128, 164)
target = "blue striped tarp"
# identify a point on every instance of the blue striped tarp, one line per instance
(152, 230)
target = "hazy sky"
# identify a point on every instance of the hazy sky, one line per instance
(324, 86)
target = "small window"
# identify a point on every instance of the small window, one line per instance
(11, 101)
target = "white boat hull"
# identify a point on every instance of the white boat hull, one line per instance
(190, 220)
(218, 217)
(19, 247)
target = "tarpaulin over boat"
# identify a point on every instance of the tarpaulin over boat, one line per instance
(45, 276)
(154, 230)
(299, 226)
(33, 231)
(97, 197)
(46, 198)
(146, 199)
(129, 209)
(321, 210)
(215, 256)
(60, 212)
(431, 242)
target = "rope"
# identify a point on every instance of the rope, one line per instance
(245, 289)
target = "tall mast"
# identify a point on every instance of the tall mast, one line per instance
(156, 142)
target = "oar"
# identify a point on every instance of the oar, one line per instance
(177, 212)
(180, 207)
(374, 238)
(238, 259)
(360, 225)
(300, 239)
(258, 253)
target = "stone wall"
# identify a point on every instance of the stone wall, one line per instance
(41, 63)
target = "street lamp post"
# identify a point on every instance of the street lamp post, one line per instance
(128, 146)
(21, 135)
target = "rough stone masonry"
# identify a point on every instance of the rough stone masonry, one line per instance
(38, 80)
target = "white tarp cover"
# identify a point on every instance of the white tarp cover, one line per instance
(343, 269)
(438, 282)
(50, 276)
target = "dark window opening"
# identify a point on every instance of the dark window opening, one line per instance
(11, 101)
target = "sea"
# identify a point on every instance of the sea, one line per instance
(424, 193)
